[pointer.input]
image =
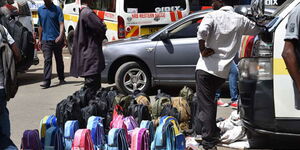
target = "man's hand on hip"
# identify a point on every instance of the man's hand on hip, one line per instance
(207, 52)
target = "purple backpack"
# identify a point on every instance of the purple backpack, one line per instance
(130, 123)
(31, 140)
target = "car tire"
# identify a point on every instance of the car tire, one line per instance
(132, 76)
(70, 41)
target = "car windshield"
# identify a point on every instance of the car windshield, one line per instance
(147, 6)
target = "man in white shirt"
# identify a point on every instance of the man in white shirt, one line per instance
(6, 143)
(219, 36)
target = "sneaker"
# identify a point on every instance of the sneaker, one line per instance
(221, 103)
(45, 85)
(234, 105)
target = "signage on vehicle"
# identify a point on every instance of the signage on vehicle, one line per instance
(167, 9)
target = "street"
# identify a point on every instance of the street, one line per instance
(32, 102)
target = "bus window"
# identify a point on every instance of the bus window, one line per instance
(149, 6)
(105, 5)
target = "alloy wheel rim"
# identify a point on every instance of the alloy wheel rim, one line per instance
(135, 79)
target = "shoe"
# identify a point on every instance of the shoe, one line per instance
(45, 85)
(234, 105)
(221, 103)
(62, 82)
(198, 138)
(213, 148)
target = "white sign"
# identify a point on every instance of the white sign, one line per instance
(271, 2)
(132, 10)
(167, 9)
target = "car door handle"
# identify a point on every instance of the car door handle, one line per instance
(149, 49)
(74, 9)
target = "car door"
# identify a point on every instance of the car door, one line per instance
(177, 56)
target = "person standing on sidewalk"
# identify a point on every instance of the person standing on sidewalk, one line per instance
(291, 51)
(87, 58)
(51, 40)
(219, 36)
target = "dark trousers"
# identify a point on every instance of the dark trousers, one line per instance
(206, 87)
(50, 47)
(93, 82)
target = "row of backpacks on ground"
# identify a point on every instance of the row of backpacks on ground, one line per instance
(119, 117)
(125, 134)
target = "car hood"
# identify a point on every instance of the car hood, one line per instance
(127, 41)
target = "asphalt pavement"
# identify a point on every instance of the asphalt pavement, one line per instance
(32, 102)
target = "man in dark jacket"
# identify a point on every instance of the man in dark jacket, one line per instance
(87, 58)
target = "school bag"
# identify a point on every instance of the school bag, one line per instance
(83, 140)
(54, 139)
(169, 110)
(117, 139)
(139, 112)
(118, 122)
(46, 123)
(187, 93)
(164, 138)
(179, 137)
(124, 102)
(150, 127)
(161, 99)
(71, 127)
(130, 123)
(183, 108)
(140, 139)
(69, 109)
(31, 140)
(23, 39)
(95, 124)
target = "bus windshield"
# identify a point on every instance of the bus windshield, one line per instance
(104, 5)
(148, 6)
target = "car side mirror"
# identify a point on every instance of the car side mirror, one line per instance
(164, 35)
(241, 10)
(258, 9)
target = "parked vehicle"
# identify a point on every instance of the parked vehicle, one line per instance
(127, 18)
(168, 56)
(267, 104)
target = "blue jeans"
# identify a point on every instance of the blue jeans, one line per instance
(233, 87)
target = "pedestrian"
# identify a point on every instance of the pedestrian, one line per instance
(87, 58)
(219, 36)
(51, 40)
(291, 51)
(8, 10)
(5, 37)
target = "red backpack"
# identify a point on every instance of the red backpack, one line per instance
(83, 140)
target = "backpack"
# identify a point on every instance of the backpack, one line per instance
(117, 139)
(31, 140)
(118, 122)
(161, 99)
(130, 123)
(140, 139)
(143, 99)
(187, 93)
(9, 70)
(23, 39)
(150, 127)
(69, 109)
(71, 127)
(97, 131)
(124, 102)
(183, 108)
(46, 123)
(164, 138)
(54, 139)
(83, 140)
(139, 112)
(169, 110)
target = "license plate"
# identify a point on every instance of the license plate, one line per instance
(146, 31)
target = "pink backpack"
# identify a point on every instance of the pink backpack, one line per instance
(118, 122)
(140, 139)
(82, 140)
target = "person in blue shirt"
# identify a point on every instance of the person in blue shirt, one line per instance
(51, 40)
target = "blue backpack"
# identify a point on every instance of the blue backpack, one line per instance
(150, 126)
(54, 139)
(46, 123)
(168, 135)
(70, 128)
(117, 139)
(97, 131)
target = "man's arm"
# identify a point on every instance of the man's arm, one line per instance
(290, 60)
(61, 33)
(40, 30)
(203, 31)
(16, 52)
(205, 52)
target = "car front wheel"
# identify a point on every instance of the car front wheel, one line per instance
(132, 76)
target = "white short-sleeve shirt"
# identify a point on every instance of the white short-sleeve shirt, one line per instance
(222, 30)
(9, 38)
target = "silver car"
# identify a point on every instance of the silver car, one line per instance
(168, 56)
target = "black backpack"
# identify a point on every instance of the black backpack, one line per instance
(23, 39)
(169, 110)
(139, 112)
(69, 109)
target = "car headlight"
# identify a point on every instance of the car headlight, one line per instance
(256, 68)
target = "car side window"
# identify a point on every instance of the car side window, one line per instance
(188, 30)
(70, 1)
